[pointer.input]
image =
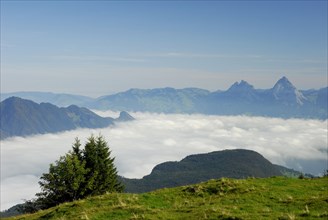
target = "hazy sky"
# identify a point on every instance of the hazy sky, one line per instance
(100, 47)
(295, 143)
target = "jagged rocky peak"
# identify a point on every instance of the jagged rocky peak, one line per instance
(284, 90)
(242, 86)
(283, 84)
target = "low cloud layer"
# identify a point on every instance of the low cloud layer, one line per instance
(155, 138)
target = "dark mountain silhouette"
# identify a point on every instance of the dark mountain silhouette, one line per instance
(124, 116)
(21, 117)
(202, 167)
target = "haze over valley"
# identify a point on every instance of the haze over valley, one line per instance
(170, 125)
(154, 138)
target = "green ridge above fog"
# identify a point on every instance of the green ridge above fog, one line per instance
(237, 163)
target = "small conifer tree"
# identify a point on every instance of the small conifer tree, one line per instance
(102, 174)
(80, 173)
(64, 182)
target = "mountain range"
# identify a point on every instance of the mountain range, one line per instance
(282, 100)
(238, 164)
(21, 117)
(61, 100)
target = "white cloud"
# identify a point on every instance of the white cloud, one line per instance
(155, 138)
(18, 188)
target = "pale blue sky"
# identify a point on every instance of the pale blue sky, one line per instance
(100, 47)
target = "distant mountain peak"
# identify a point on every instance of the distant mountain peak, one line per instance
(240, 98)
(242, 90)
(283, 83)
(242, 86)
(124, 116)
(284, 78)
(284, 90)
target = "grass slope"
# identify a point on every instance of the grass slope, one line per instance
(269, 198)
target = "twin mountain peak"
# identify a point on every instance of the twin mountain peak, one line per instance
(284, 100)
(283, 90)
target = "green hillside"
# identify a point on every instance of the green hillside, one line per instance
(237, 164)
(252, 198)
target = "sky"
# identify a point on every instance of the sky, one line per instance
(98, 48)
(296, 143)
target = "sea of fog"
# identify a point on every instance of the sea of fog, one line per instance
(155, 138)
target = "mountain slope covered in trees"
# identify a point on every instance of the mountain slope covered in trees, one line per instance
(237, 163)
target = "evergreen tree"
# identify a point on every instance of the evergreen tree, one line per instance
(91, 161)
(79, 173)
(76, 149)
(102, 174)
(64, 182)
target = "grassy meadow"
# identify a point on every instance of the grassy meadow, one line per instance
(252, 198)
